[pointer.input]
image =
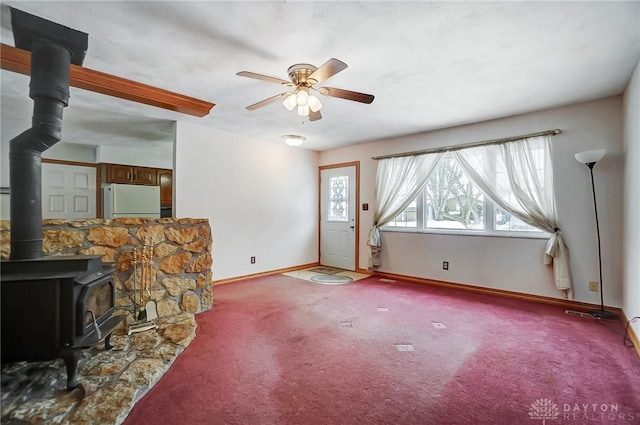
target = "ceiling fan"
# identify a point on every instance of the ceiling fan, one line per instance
(303, 78)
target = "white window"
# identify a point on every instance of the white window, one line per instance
(338, 205)
(408, 217)
(451, 202)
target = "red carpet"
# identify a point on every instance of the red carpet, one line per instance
(279, 350)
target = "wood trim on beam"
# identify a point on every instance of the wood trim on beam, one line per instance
(18, 60)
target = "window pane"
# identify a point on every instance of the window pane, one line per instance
(407, 218)
(452, 200)
(505, 221)
(338, 204)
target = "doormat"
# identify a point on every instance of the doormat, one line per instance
(325, 270)
(309, 275)
(331, 279)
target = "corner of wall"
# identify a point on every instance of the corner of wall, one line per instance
(631, 272)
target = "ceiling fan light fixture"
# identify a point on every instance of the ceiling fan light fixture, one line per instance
(302, 98)
(303, 78)
(293, 139)
(303, 111)
(314, 103)
(290, 102)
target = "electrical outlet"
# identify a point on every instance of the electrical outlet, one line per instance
(253, 260)
(593, 285)
(445, 265)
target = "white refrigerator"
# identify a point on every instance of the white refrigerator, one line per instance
(130, 200)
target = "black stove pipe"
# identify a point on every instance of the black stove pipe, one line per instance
(49, 89)
(53, 48)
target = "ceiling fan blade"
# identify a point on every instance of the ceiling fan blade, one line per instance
(328, 69)
(264, 78)
(346, 94)
(314, 116)
(266, 101)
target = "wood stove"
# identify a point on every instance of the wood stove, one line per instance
(51, 306)
(54, 307)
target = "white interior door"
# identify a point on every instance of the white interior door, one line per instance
(338, 217)
(68, 191)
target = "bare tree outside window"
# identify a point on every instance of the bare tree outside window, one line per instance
(452, 199)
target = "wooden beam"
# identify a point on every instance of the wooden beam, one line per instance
(18, 60)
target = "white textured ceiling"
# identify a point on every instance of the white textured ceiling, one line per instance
(430, 65)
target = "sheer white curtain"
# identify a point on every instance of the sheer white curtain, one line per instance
(526, 193)
(398, 182)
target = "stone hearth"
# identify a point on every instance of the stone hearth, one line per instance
(111, 381)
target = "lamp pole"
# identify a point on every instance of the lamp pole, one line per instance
(602, 313)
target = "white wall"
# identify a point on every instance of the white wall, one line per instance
(261, 198)
(71, 152)
(143, 157)
(631, 273)
(508, 263)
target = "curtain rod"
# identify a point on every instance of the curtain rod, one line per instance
(471, 145)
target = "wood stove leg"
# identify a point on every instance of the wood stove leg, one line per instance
(107, 342)
(71, 358)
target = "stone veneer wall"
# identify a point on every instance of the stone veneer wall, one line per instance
(181, 269)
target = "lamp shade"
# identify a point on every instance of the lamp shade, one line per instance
(290, 102)
(589, 157)
(293, 139)
(314, 103)
(302, 98)
(303, 111)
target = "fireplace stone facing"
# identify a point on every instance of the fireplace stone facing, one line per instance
(111, 381)
(181, 267)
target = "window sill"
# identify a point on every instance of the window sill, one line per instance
(494, 234)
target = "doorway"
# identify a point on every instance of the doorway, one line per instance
(339, 218)
(69, 191)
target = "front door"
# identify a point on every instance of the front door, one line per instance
(338, 217)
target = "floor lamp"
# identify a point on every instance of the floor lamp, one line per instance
(589, 158)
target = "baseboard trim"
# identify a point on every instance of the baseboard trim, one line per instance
(634, 340)
(364, 271)
(566, 304)
(633, 337)
(262, 274)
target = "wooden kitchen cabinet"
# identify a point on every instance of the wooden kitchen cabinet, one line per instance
(117, 173)
(145, 176)
(165, 181)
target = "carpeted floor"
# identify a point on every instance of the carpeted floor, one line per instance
(280, 350)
